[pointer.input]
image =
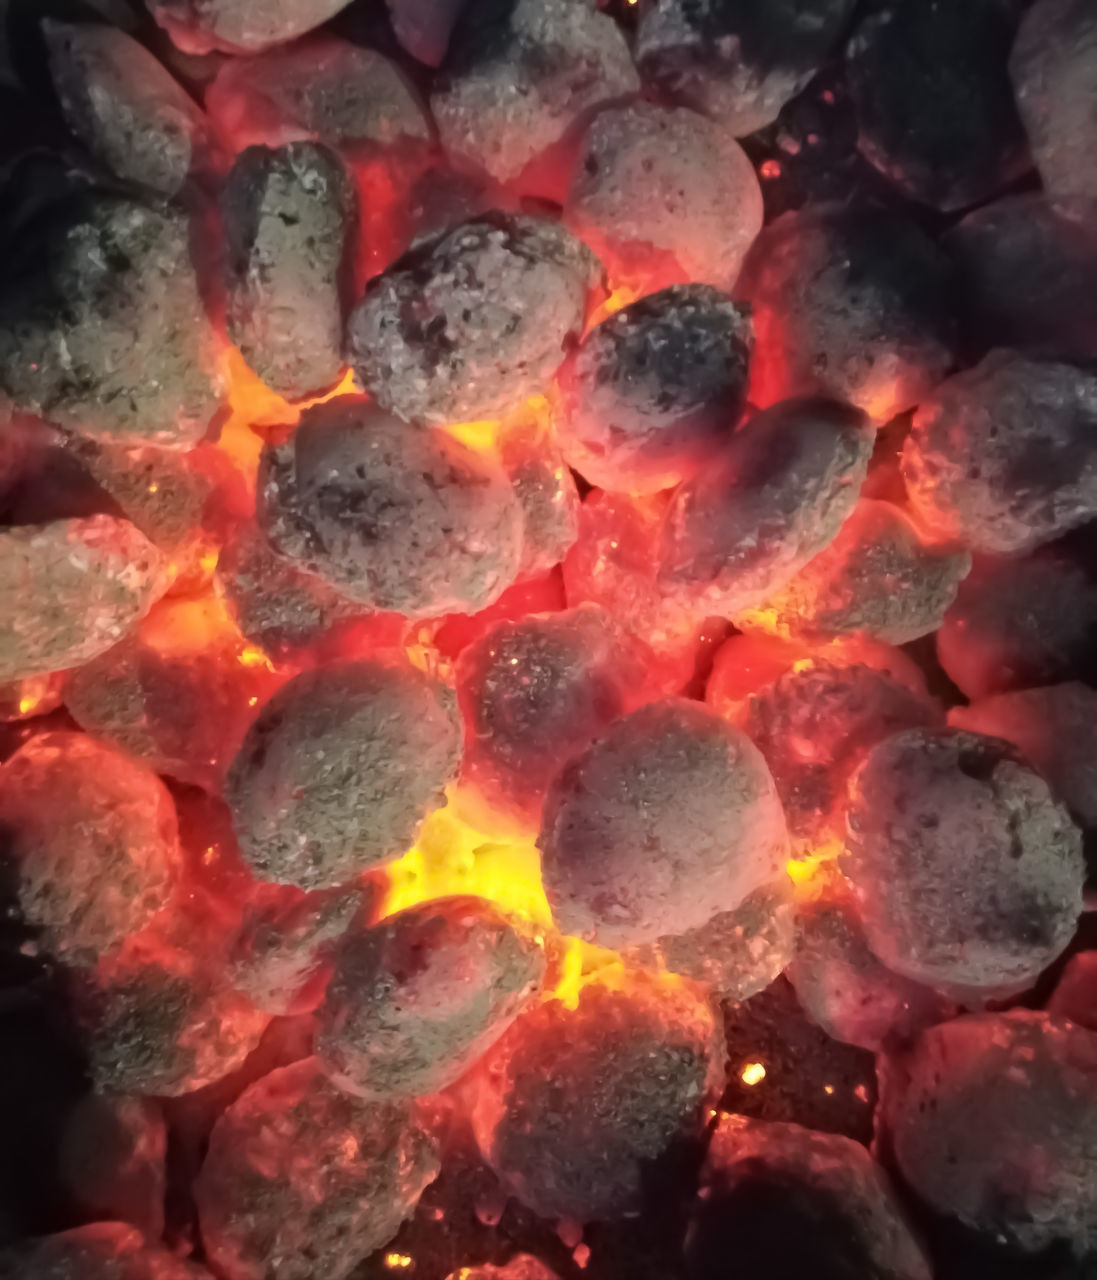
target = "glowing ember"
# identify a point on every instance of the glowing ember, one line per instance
(753, 1073)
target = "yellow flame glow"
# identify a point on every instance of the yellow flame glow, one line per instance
(752, 1073)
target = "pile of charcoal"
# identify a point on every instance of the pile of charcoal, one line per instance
(548, 640)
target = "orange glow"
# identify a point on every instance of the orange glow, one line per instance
(252, 656)
(483, 437)
(752, 1073)
(398, 1261)
(27, 705)
(620, 296)
(808, 873)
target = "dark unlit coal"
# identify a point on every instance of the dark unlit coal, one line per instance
(398, 519)
(339, 769)
(737, 62)
(424, 27)
(655, 390)
(99, 1251)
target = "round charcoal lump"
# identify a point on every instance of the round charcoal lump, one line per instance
(396, 518)
(339, 769)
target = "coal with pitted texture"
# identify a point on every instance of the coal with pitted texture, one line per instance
(90, 840)
(669, 818)
(1054, 72)
(302, 1180)
(339, 769)
(1003, 457)
(574, 1103)
(935, 108)
(798, 1202)
(520, 74)
(99, 1251)
(415, 1000)
(239, 26)
(737, 61)
(852, 304)
(396, 518)
(655, 390)
(774, 497)
(992, 1120)
(288, 213)
(968, 872)
(878, 578)
(102, 329)
(468, 325)
(669, 180)
(122, 102)
(70, 590)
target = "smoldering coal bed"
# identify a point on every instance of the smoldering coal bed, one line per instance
(548, 603)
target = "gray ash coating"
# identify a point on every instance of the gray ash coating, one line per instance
(934, 104)
(776, 495)
(968, 872)
(992, 1120)
(99, 1251)
(468, 325)
(415, 1000)
(1003, 457)
(288, 214)
(90, 840)
(1054, 71)
(737, 61)
(240, 26)
(118, 98)
(876, 578)
(303, 1181)
(655, 390)
(852, 304)
(337, 92)
(339, 769)
(102, 329)
(574, 1104)
(669, 818)
(519, 74)
(788, 1201)
(547, 494)
(651, 177)
(70, 590)
(393, 517)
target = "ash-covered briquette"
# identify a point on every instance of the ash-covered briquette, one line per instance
(119, 99)
(520, 74)
(1027, 271)
(855, 304)
(661, 191)
(157, 1021)
(814, 725)
(339, 93)
(283, 954)
(470, 324)
(534, 693)
(1055, 729)
(70, 590)
(288, 214)
(415, 1000)
(1054, 71)
(737, 953)
(424, 27)
(668, 819)
(738, 63)
(935, 108)
(89, 840)
(968, 872)
(655, 390)
(546, 492)
(573, 1105)
(339, 769)
(840, 983)
(992, 1120)
(788, 1201)
(239, 26)
(102, 329)
(302, 1180)
(1003, 457)
(774, 497)
(99, 1251)
(878, 578)
(396, 518)
(1018, 622)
